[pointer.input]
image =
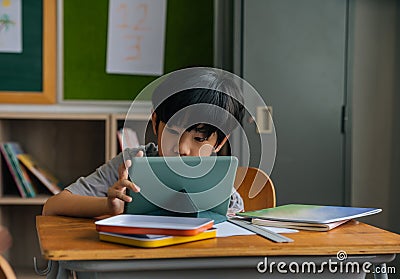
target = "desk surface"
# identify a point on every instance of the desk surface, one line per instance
(66, 238)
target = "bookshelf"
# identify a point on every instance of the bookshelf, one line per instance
(12, 200)
(69, 145)
(139, 122)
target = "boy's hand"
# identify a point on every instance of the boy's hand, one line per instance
(117, 193)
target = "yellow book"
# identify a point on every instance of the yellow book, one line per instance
(154, 241)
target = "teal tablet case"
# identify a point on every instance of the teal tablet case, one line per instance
(182, 186)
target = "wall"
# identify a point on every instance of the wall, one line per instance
(373, 84)
(394, 208)
(294, 56)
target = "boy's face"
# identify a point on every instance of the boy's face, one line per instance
(176, 141)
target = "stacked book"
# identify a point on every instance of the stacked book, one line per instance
(149, 231)
(307, 217)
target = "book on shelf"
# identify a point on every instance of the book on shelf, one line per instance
(42, 174)
(10, 151)
(307, 217)
(127, 138)
(13, 172)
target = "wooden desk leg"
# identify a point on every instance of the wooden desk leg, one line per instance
(380, 275)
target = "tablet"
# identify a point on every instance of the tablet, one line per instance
(182, 186)
(154, 225)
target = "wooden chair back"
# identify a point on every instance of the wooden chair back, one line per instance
(6, 271)
(255, 187)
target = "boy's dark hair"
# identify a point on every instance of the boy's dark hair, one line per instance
(208, 109)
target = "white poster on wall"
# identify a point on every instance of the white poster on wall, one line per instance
(10, 26)
(136, 37)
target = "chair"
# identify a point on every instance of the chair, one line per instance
(6, 271)
(255, 187)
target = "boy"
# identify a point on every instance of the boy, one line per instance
(192, 117)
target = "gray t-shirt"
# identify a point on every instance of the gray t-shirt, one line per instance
(97, 183)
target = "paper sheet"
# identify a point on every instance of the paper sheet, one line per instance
(228, 229)
(136, 36)
(10, 26)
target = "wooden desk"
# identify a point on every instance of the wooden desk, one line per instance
(73, 242)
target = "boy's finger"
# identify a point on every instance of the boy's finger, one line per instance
(135, 188)
(125, 173)
(122, 173)
(123, 169)
(140, 153)
(124, 197)
(128, 184)
(128, 164)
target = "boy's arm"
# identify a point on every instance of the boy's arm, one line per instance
(68, 204)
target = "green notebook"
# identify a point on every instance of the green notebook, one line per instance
(182, 186)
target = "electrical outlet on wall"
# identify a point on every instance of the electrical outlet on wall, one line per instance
(264, 119)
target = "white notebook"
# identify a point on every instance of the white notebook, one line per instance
(316, 214)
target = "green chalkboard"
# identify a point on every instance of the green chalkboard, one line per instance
(23, 71)
(189, 42)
